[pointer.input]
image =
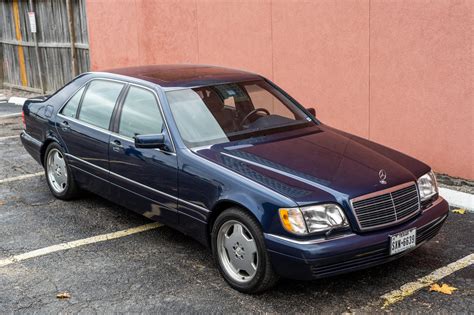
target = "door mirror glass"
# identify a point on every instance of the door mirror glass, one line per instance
(154, 141)
(312, 111)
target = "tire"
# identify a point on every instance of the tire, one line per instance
(58, 174)
(254, 272)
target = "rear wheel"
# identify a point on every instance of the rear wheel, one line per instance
(58, 175)
(240, 253)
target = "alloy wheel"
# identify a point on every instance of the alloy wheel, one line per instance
(237, 251)
(56, 170)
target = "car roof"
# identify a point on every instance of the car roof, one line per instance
(185, 76)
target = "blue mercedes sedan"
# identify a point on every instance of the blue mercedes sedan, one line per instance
(230, 159)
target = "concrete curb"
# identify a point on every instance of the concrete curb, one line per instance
(11, 115)
(458, 199)
(17, 100)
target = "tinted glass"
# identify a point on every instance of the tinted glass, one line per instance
(70, 109)
(234, 111)
(99, 102)
(140, 114)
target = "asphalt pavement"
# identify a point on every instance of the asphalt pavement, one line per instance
(162, 270)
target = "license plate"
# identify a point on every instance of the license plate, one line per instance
(402, 241)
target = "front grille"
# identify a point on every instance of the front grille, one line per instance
(386, 207)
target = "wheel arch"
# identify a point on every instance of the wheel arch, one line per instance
(45, 146)
(223, 205)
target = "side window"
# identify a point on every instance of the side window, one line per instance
(263, 99)
(70, 109)
(140, 114)
(99, 102)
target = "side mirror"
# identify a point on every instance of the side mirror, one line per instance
(312, 111)
(155, 141)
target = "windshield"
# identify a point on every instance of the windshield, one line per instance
(234, 111)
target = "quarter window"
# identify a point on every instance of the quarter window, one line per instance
(99, 102)
(140, 114)
(70, 109)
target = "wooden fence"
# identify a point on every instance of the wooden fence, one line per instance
(46, 60)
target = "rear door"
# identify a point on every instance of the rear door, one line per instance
(143, 179)
(84, 126)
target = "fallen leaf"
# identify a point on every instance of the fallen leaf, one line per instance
(459, 211)
(444, 288)
(63, 295)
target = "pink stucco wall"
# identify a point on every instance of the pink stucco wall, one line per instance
(397, 72)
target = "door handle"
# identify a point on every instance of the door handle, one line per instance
(64, 126)
(116, 145)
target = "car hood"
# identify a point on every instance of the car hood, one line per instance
(316, 164)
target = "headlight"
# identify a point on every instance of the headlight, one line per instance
(313, 219)
(427, 186)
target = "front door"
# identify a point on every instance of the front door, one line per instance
(83, 125)
(144, 180)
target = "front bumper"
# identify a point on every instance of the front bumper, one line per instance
(305, 260)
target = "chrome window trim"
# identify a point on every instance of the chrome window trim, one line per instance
(135, 183)
(160, 107)
(85, 124)
(83, 85)
(107, 131)
(110, 132)
(383, 192)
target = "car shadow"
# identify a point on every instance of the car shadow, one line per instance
(196, 262)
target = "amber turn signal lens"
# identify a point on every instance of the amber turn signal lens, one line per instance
(292, 220)
(285, 220)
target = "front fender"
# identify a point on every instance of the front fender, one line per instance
(264, 212)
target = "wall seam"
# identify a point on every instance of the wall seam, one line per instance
(139, 49)
(271, 37)
(197, 30)
(369, 88)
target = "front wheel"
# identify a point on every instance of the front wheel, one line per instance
(58, 174)
(239, 250)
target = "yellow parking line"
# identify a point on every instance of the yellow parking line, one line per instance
(410, 288)
(13, 179)
(78, 243)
